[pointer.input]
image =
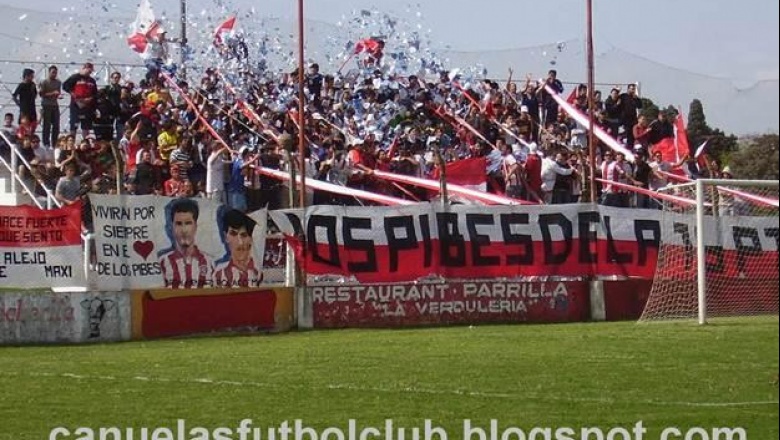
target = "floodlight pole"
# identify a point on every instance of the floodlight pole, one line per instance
(591, 105)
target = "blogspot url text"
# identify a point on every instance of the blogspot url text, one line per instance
(429, 430)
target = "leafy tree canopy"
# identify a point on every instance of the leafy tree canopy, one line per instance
(757, 158)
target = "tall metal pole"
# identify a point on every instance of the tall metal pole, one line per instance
(591, 105)
(301, 109)
(445, 199)
(305, 312)
(183, 39)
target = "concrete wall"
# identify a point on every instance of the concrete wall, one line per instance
(461, 302)
(83, 317)
(46, 317)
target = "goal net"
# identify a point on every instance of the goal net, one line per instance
(730, 268)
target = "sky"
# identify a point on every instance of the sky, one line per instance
(725, 39)
(723, 53)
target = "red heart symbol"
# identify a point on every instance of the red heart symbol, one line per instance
(143, 248)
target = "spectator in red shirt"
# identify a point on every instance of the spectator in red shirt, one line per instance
(533, 173)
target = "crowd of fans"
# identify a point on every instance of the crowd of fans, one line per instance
(157, 136)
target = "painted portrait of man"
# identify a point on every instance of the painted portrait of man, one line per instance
(238, 268)
(183, 265)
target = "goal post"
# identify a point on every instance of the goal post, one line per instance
(718, 254)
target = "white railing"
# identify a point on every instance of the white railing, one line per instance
(51, 200)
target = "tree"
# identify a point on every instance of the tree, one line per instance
(719, 145)
(757, 158)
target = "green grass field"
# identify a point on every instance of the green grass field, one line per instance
(576, 375)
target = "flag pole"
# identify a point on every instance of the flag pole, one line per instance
(183, 42)
(591, 106)
(301, 108)
(352, 55)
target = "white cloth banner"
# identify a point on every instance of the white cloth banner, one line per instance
(41, 248)
(151, 242)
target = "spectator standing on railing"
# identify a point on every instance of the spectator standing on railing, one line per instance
(642, 133)
(50, 90)
(618, 171)
(25, 128)
(552, 186)
(549, 105)
(113, 93)
(661, 128)
(104, 117)
(24, 96)
(8, 128)
(643, 174)
(215, 171)
(612, 116)
(236, 189)
(533, 173)
(68, 189)
(9, 133)
(129, 104)
(513, 174)
(83, 92)
(146, 176)
(27, 152)
(629, 103)
(564, 179)
(658, 165)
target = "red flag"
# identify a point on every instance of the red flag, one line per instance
(572, 96)
(366, 45)
(701, 156)
(225, 27)
(681, 135)
(144, 28)
(668, 150)
(137, 42)
(471, 173)
(702, 148)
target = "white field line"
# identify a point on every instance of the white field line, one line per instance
(410, 389)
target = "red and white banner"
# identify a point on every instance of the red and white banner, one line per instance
(408, 243)
(490, 301)
(469, 173)
(41, 248)
(151, 242)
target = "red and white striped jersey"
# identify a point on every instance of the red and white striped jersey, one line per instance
(229, 275)
(181, 272)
